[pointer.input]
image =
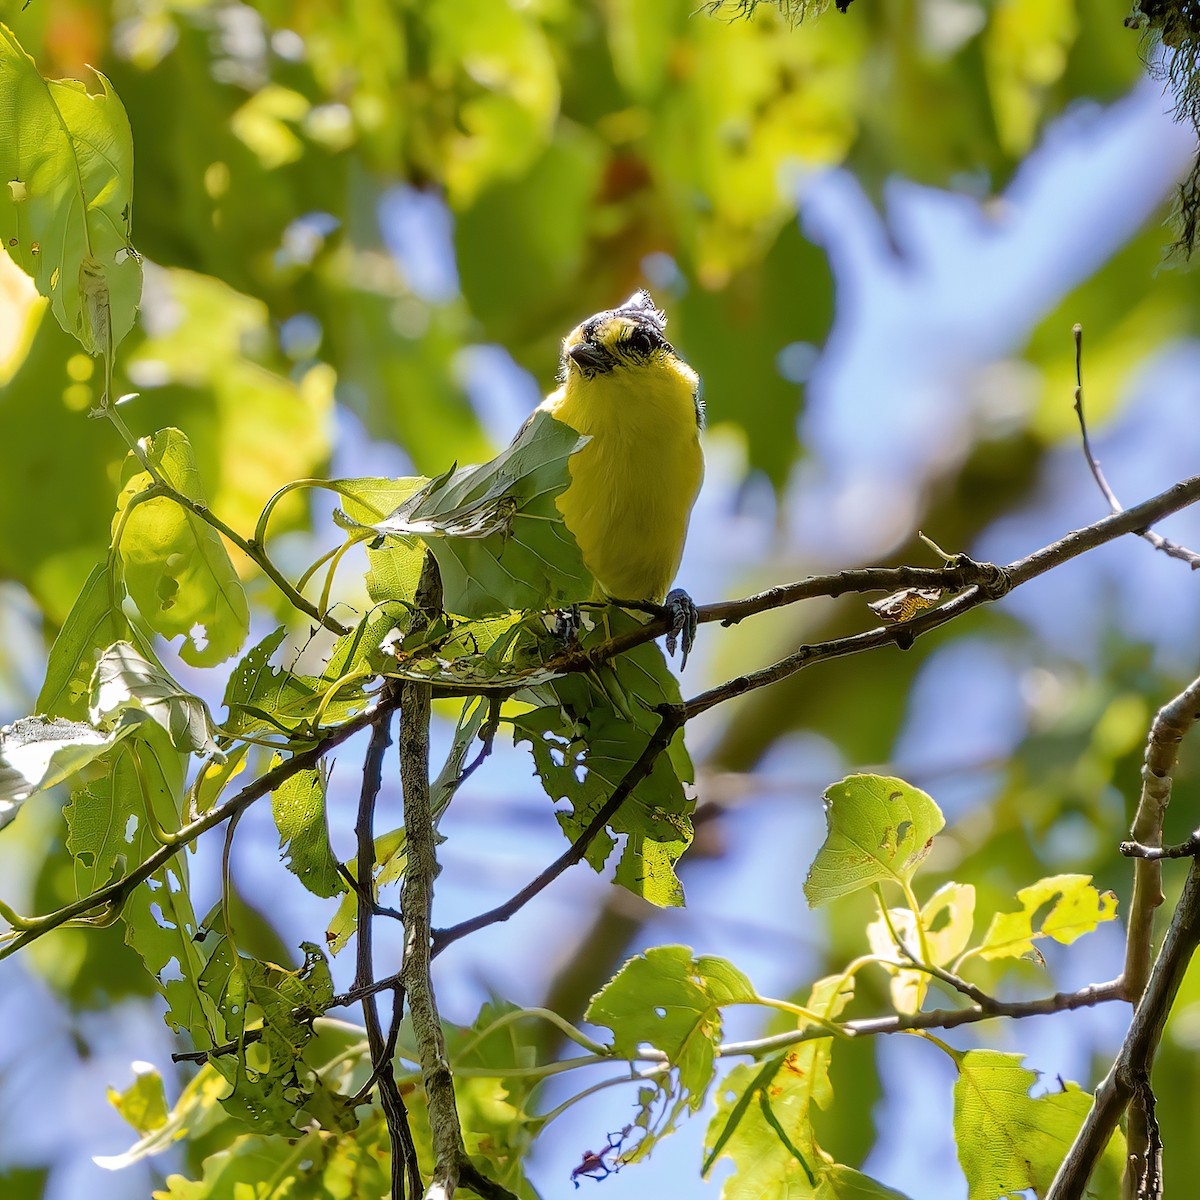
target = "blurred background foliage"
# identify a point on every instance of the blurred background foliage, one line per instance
(364, 221)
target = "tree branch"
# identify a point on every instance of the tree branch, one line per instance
(1132, 1065)
(405, 1172)
(113, 895)
(416, 905)
(670, 722)
(1167, 730)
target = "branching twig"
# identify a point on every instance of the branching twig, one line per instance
(1167, 730)
(934, 1018)
(671, 721)
(1137, 1051)
(112, 896)
(1156, 540)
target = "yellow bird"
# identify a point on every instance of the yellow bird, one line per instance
(633, 485)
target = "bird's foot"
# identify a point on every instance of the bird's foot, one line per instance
(681, 609)
(568, 623)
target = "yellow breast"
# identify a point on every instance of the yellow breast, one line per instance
(633, 485)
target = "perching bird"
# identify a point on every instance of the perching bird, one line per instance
(633, 485)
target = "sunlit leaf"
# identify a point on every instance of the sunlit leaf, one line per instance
(125, 681)
(37, 753)
(1009, 1141)
(495, 530)
(1068, 905)
(880, 828)
(196, 1110)
(144, 1102)
(763, 1120)
(671, 1000)
(176, 566)
(946, 921)
(66, 197)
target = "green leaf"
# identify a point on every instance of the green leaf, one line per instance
(144, 1102)
(176, 566)
(840, 1182)
(125, 682)
(36, 753)
(1008, 1141)
(94, 623)
(673, 1001)
(66, 180)
(764, 1113)
(194, 1113)
(298, 806)
(272, 1085)
(1075, 908)
(880, 829)
(588, 733)
(319, 1164)
(495, 529)
(946, 919)
(395, 566)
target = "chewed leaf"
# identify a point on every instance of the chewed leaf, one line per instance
(880, 829)
(125, 681)
(1075, 908)
(495, 529)
(673, 1001)
(298, 806)
(38, 752)
(65, 214)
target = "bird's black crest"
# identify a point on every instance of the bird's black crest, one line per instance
(641, 307)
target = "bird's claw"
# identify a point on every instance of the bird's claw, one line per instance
(681, 609)
(567, 624)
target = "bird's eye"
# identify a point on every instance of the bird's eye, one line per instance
(640, 340)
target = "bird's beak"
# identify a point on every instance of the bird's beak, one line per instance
(588, 357)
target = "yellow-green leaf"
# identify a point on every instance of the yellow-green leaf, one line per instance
(67, 162)
(176, 566)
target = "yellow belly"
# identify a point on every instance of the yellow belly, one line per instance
(633, 485)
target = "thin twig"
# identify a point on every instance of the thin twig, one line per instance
(934, 1018)
(1156, 540)
(670, 722)
(111, 897)
(955, 982)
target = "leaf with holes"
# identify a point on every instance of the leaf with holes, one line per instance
(495, 529)
(880, 829)
(1069, 906)
(672, 1001)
